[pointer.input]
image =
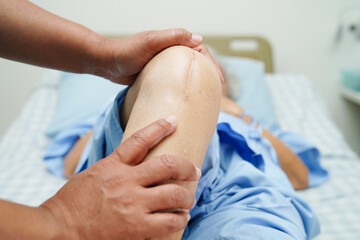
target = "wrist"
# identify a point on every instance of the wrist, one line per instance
(55, 229)
(98, 57)
(23, 222)
(58, 220)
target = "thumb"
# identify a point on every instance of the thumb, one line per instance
(158, 40)
(133, 150)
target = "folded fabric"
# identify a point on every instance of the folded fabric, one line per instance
(242, 194)
(63, 143)
(309, 154)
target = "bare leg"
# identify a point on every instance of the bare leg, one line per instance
(181, 82)
(73, 157)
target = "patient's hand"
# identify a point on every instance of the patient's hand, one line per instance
(118, 198)
(120, 60)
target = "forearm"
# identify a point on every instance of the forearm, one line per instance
(231, 107)
(289, 162)
(23, 222)
(32, 35)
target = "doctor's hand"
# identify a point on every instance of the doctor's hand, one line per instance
(121, 60)
(53, 42)
(120, 197)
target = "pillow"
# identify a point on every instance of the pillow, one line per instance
(248, 88)
(81, 96)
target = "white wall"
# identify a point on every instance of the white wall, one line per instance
(301, 32)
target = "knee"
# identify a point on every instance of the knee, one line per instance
(182, 72)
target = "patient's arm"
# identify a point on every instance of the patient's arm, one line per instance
(230, 107)
(180, 82)
(290, 163)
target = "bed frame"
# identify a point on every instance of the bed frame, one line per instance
(244, 46)
(234, 45)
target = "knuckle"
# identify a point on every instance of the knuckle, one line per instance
(180, 34)
(148, 36)
(168, 163)
(172, 224)
(100, 166)
(178, 194)
(117, 155)
(105, 165)
(163, 124)
(115, 181)
(141, 173)
(128, 201)
(148, 39)
(139, 138)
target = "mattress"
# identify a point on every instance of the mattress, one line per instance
(24, 178)
(23, 175)
(300, 109)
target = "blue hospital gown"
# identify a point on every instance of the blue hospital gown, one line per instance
(242, 194)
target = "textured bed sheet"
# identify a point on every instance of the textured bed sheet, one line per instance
(300, 109)
(25, 179)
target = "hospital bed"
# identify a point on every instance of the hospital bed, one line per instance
(298, 108)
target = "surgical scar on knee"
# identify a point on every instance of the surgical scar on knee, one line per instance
(189, 77)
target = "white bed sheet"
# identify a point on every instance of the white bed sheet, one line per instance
(23, 175)
(24, 178)
(337, 202)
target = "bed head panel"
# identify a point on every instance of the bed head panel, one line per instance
(243, 46)
(233, 45)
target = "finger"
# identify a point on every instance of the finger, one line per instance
(169, 196)
(157, 41)
(164, 168)
(163, 224)
(205, 51)
(134, 149)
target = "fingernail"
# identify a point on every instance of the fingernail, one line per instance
(188, 216)
(196, 38)
(172, 120)
(198, 173)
